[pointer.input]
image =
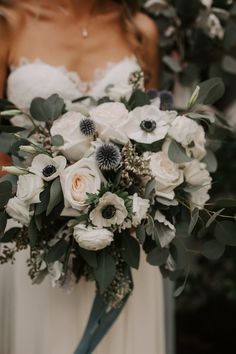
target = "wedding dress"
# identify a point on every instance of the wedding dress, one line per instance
(39, 319)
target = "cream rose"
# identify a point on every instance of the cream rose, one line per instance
(110, 118)
(148, 124)
(167, 174)
(187, 132)
(29, 188)
(140, 208)
(92, 238)
(77, 180)
(110, 211)
(75, 143)
(19, 211)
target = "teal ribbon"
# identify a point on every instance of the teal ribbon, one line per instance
(99, 323)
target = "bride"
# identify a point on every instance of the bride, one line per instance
(73, 48)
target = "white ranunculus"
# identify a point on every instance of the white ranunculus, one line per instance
(121, 91)
(187, 132)
(140, 208)
(168, 233)
(46, 167)
(148, 124)
(29, 188)
(196, 175)
(111, 210)
(75, 143)
(110, 118)
(207, 3)
(19, 211)
(92, 238)
(77, 180)
(167, 174)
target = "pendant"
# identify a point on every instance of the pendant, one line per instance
(84, 32)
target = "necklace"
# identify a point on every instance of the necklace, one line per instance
(84, 32)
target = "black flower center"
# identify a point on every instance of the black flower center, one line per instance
(148, 125)
(108, 212)
(49, 170)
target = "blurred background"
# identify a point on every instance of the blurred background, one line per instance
(198, 41)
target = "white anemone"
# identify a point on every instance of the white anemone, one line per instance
(48, 167)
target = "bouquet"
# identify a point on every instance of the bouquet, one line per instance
(95, 181)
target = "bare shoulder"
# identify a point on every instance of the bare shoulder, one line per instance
(147, 27)
(11, 18)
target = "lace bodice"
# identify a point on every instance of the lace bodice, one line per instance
(36, 78)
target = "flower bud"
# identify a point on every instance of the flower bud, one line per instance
(14, 170)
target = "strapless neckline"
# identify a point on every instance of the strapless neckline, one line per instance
(84, 85)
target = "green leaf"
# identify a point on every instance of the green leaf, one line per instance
(105, 271)
(210, 91)
(213, 249)
(227, 203)
(90, 257)
(44, 198)
(3, 222)
(229, 64)
(130, 250)
(194, 220)
(172, 64)
(163, 235)
(150, 187)
(10, 129)
(213, 217)
(158, 256)
(138, 99)
(46, 110)
(211, 161)
(33, 233)
(10, 235)
(177, 153)
(57, 140)
(5, 193)
(56, 195)
(197, 116)
(57, 251)
(141, 233)
(154, 147)
(225, 232)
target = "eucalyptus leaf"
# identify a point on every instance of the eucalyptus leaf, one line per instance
(3, 222)
(44, 200)
(105, 272)
(163, 234)
(150, 187)
(158, 256)
(33, 233)
(211, 161)
(198, 116)
(56, 195)
(213, 217)
(194, 220)
(130, 250)
(141, 233)
(57, 140)
(5, 193)
(10, 129)
(213, 249)
(210, 91)
(225, 232)
(57, 251)
(227, 203)
(229, 64)
(177, 153)
(49, 109)
(172, 63)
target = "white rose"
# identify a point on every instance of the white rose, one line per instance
(120, 91)
(75, 143)
(79, 179)
(167, 174)
(46, 167)
(187, 132)
(148, 124)
(196, 175)
(29, 188)
(19, 211)
(110, 211)
(140, 208)
(92, 238)
(110, 118)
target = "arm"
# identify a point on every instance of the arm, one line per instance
(150, 47)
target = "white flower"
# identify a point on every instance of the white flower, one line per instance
(92, 238)
(167, 233)
(48, 167)
(140, 208)
(215, 28)
(110, 118)
(75, 143)
(29, 188)
(196, 175)
(79, 179)
(55, 271)
(167, 174)
(207, 3)
(11, 224)
(14, 170)
(187, 132)
(19, 211)
(110, 211)
(148, 124)
(120, 91)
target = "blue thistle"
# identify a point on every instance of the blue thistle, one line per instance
(87, 126)
(108, 157)
(167, 100)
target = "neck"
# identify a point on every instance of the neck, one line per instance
(80, 8)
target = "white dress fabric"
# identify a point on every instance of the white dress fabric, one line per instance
(39, 319)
